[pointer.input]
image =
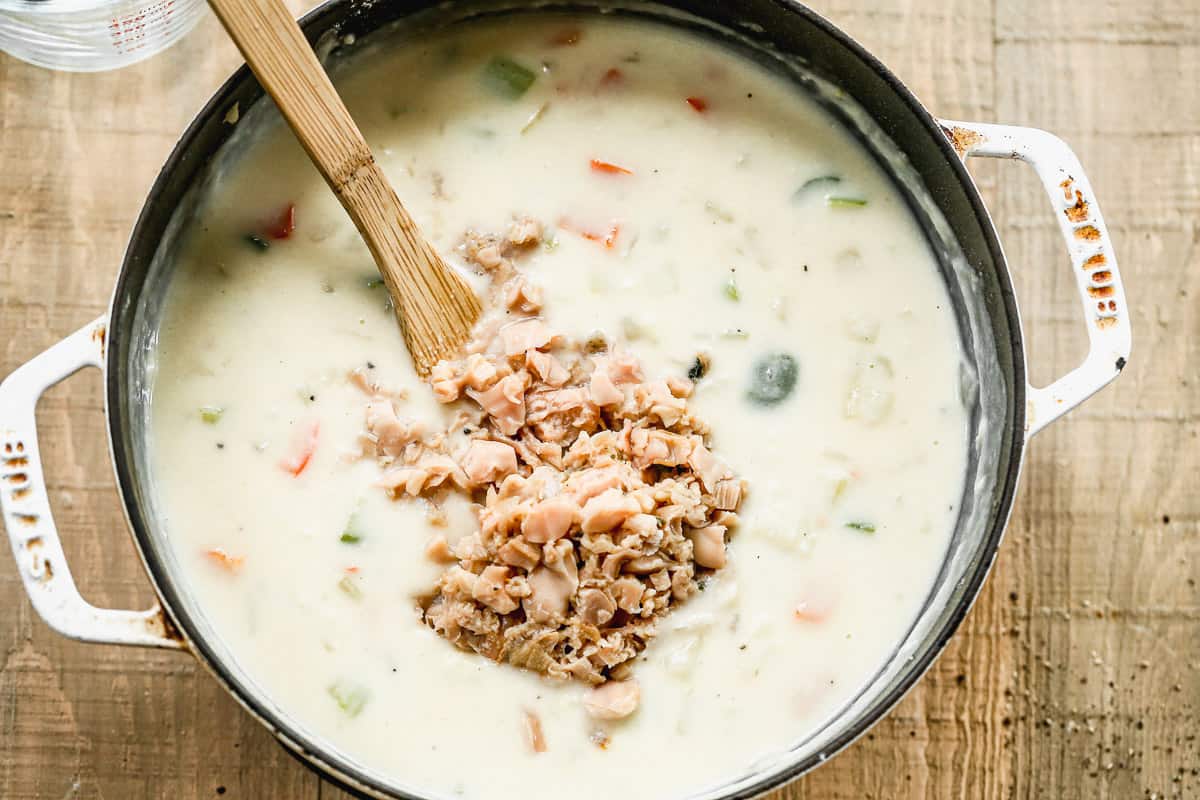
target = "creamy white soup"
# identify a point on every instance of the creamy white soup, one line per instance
(698, 213)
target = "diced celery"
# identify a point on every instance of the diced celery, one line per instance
(351, 699)
(507, 78)
(353, 533)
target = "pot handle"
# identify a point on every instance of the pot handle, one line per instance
(1092, 256)
(26, 506)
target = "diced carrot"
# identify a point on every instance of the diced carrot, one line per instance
(612, 77)
(608, 238)
(611, 169)
(566, 37)
(285, 225)
(224, 560)
(302, 449)
(351, 570)
(533, 730)
(816, 607)
(698, 103)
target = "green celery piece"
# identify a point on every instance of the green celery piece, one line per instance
(353, 532)
(507, 78)
(350, 698)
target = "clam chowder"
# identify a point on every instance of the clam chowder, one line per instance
(675, 215)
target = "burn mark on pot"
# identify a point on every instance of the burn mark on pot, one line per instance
(100, 336)
(1088, 232)
(162, 624)
(39, 566)
(1102, 289)
(15, 463)
(28, 520)
(1079, 211)
(963, 140)
(1066, 187)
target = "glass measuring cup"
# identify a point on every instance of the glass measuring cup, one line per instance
(93, 35)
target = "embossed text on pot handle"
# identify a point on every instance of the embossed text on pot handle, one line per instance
(1093, 260)
(26, 506)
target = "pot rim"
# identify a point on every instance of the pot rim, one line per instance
(316, 752)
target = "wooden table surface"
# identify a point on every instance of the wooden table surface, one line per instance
(1077, 674)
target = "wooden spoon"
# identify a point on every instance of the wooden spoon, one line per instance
(435, 307)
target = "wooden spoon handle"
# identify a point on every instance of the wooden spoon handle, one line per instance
(435, 307)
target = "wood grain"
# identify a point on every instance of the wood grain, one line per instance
(435, 307)
(1076, 675)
